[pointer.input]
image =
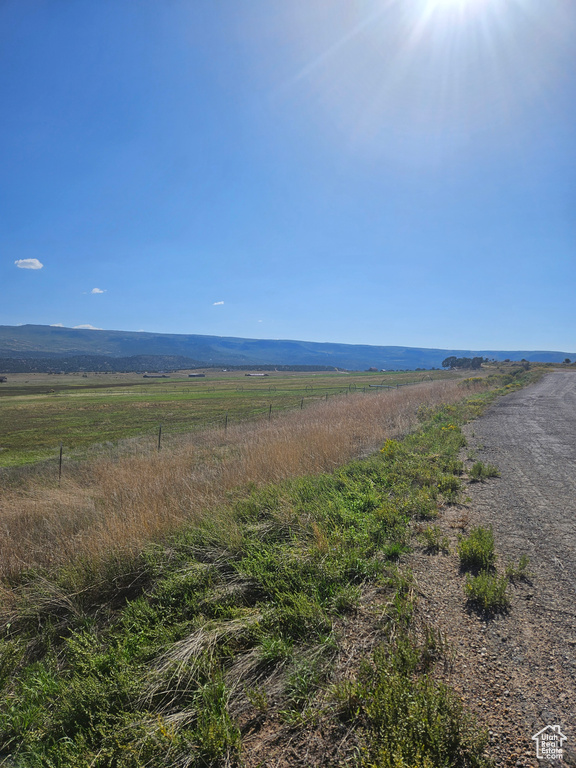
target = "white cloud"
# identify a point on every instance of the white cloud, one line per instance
(56, 325)
(97, 290)
(217, 303)
(28, 264)
(87, 326)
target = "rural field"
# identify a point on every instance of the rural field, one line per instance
(117, 497)
(83, 411)
(242, 597)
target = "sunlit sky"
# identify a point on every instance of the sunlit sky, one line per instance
(394, 172)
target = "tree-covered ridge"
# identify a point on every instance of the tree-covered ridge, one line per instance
(464, 362)
(41, 341)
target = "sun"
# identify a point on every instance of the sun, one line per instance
(456, 9)
(458, 5)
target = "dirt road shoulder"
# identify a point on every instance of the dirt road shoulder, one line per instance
(517, 671)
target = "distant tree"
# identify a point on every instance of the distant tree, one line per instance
(464, 362)
(567, 361)
(450, 362)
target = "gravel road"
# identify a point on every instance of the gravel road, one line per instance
(531, 436)
(518, 671)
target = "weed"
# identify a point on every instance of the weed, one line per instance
(435, 540)
(487, 591)
(519, 571)
(346, 599)
(435, 648)
(480, 471)
(408, 719)
(400, 609)
(476, 551)
(302, 683)
(274, 650)
(449, 486)
(215, 732)
(258, 698)
(11, 653)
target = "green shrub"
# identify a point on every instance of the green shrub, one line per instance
(216, 734)
(449, 485)
(480, 471)
(409, 719)
(518, 572)
(476, 551)
(487, 591)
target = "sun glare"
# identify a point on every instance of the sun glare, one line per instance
(461, 7)
(430, 75)
(460, 4)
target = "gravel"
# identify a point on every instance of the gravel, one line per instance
(517, 671)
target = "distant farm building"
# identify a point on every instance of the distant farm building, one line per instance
(255, 374)
(3, 379)
(196, 375)
(155, 376)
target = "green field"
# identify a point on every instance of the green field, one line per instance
(38, 411)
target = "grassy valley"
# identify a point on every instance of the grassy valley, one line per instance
(95, 411)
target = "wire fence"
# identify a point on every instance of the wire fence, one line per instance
(155, 438)
(310, 395)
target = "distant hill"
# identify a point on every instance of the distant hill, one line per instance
(43, 341)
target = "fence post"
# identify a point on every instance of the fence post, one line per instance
(270, 412)
(301, 403)
(60, 464)
(160, 437)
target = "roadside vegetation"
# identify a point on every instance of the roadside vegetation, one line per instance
(485, 588)
(476, 551)
(480, 471)
(164, 609)
(488, 592)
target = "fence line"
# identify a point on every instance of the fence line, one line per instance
(223, 422)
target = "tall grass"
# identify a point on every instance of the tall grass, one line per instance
(107, 507)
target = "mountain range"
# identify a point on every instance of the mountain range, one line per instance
(25, 342)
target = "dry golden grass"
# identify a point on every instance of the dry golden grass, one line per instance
(108, 506)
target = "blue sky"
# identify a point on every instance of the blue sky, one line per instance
(394, 172)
